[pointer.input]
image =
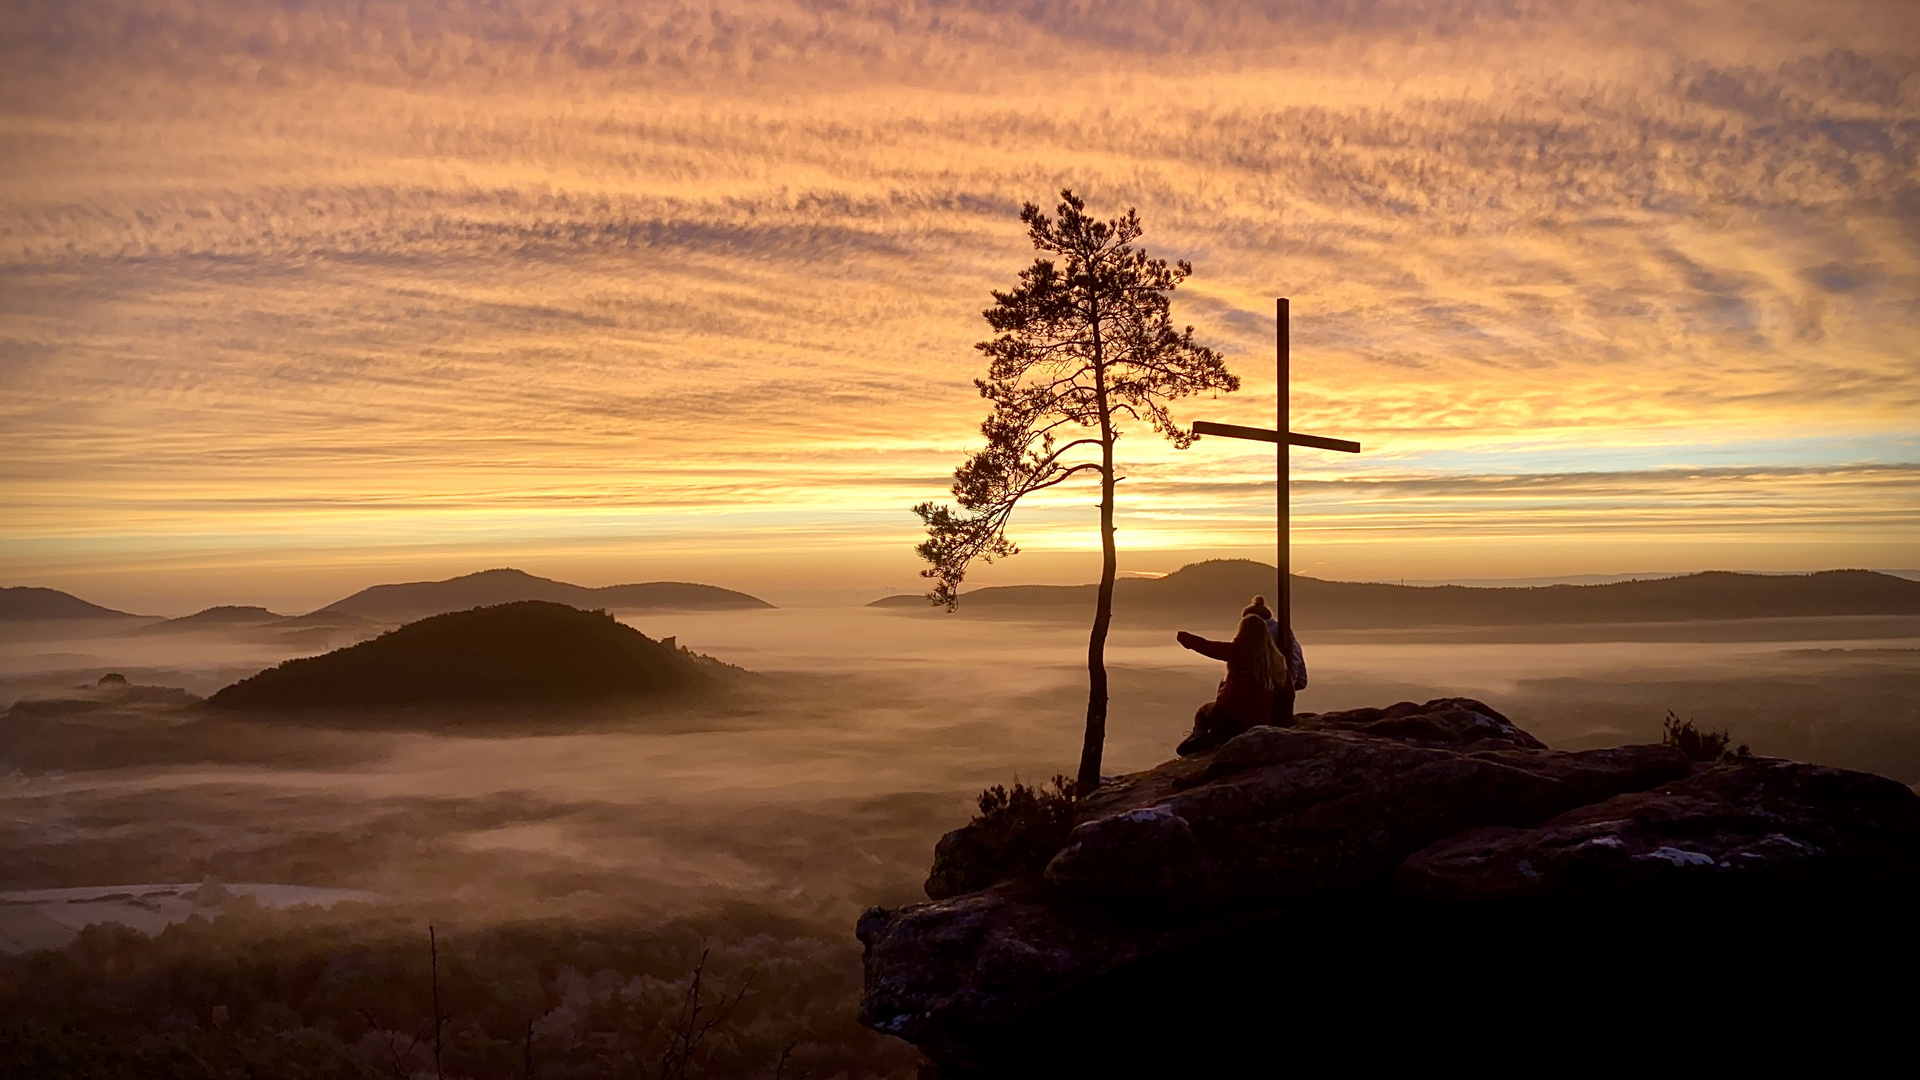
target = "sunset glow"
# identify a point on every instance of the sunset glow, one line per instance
(302, 296)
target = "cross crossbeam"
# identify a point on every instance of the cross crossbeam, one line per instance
(1283, 364)
(1294, 438)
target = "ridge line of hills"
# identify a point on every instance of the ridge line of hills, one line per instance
(1223, 584)
(400, 602)
(1208, 587)
(417, 599)
(23, 602)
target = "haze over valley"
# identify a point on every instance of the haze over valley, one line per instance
(821, 782)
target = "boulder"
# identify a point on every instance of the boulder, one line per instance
(1461, 723)
(944, 974)
(1740, 823)
(1364, 823)
(955, 976)
(1285, 814)
(1148, 853)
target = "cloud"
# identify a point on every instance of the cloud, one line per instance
(336, 260)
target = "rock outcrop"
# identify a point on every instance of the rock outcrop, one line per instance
(1446, 803)
(1734, 824)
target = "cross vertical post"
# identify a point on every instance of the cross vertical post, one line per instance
(1283, 416)
(1282, 413)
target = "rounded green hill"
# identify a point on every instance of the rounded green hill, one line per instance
(527, 652)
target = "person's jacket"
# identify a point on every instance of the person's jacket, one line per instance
(1241, 696)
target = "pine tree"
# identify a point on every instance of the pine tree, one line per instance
(1077, 349)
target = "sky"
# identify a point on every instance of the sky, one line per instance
(298, 297)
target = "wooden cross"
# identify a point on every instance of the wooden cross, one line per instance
(1282, 361)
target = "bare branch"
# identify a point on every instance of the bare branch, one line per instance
(689, 1031)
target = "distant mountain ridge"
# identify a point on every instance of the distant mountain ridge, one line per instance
(318, 628)
(1219, 585)
(222, 617)
(402, 602)
(419, 599)
(21, 603)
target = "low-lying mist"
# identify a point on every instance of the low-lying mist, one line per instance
(806, 794)
(818, 788)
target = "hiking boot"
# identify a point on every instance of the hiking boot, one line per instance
(1199, 742)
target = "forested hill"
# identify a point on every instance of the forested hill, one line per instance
(419, 599)
(531, 651)
(1214, 586)
(22, 603)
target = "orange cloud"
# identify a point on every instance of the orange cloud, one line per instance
(341, 279)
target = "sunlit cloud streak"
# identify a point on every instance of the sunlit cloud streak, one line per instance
(369, 277)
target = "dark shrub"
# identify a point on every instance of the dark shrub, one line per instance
(1014, 834)
(1696, 744)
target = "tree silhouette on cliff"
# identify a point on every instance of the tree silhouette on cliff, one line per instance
(1082, 347)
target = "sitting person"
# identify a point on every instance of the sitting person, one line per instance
(1296, 662)
(1256, 671)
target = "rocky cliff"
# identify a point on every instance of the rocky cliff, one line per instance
(1377, 840)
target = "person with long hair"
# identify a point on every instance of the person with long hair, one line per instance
(1296, 661)
(1256, 671)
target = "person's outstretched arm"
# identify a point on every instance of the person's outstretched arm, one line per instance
(1218, 650)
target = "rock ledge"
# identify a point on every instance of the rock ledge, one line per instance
(1442, 803)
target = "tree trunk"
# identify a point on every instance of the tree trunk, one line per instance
(1095, 742)
(1096, 738)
